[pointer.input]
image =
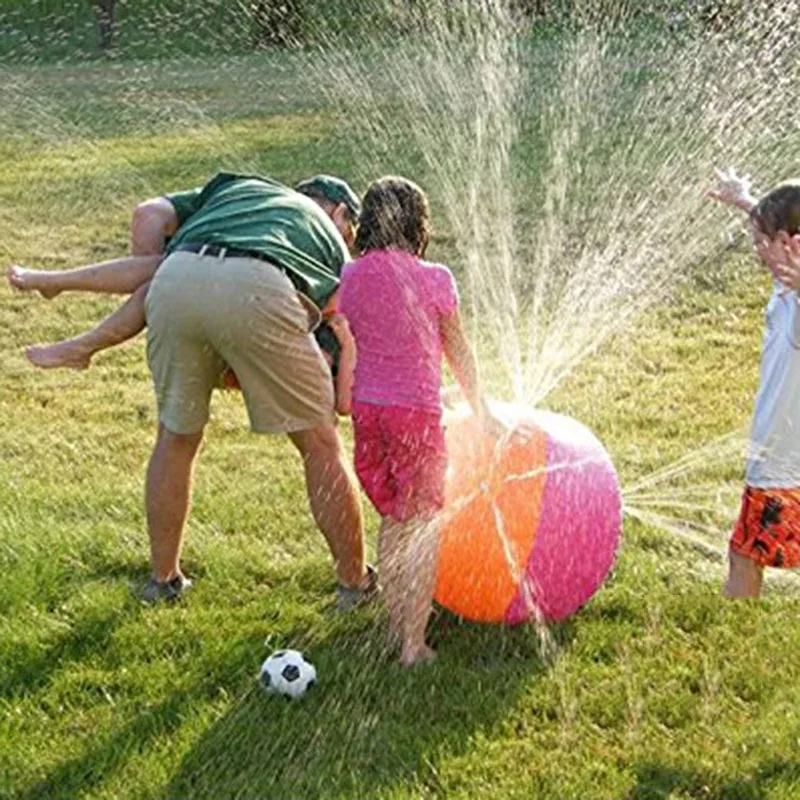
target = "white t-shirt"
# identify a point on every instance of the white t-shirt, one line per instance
(774, 457)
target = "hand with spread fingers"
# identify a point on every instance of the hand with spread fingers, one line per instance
(732, 189)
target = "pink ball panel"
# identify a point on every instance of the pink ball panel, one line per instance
(580, 525)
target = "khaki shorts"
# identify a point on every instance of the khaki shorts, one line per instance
(204, 312)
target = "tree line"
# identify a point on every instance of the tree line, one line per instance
(37, 29)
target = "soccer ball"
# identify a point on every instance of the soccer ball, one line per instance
(286, 672)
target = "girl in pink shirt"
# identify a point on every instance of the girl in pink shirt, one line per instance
(404, 315)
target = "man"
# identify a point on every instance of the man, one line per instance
(242, 252)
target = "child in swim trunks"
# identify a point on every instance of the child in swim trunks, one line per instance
(404, 315)
(767, 533)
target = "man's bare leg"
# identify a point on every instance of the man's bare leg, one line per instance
(744, 577)
(334, 500)
(76, 353)
(118, 276)
(167, 496)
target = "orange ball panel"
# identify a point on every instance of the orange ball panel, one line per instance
(475, 575)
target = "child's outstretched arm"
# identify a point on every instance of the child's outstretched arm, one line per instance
(733, 190)
(347, 363)
(461, 359)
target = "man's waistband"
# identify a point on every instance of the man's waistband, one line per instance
(223, 251)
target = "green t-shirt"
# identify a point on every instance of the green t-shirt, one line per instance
(263, 216)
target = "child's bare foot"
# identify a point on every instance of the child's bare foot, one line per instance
(63, 354)
(422, 655)
(28, 280)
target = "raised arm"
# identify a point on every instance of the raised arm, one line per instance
(732, 190)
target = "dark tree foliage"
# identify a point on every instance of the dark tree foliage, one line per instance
(276, 22)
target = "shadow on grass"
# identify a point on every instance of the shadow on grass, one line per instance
(78, 776)
(30, 667)
(369, 724)
(27, 666)
(778, 778)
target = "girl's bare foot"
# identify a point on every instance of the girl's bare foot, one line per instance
(27, 280)
(422, 655)
(67, 354)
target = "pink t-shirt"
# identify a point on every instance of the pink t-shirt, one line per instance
(394, 303)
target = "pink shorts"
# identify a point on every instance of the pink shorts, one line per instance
(400, 459)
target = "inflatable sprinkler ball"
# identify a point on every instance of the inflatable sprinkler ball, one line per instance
(530, 529)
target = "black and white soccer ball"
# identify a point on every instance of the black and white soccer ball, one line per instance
(286, 672)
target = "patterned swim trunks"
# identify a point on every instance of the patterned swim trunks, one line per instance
(768, 528)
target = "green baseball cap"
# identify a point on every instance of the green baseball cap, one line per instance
(334, 189)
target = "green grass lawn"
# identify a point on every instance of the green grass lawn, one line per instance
(657, 689)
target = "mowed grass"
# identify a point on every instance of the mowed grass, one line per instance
(657, 689)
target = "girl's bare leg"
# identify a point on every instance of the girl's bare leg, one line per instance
(118, 276)
(421, 557)
(76, 353)
(391, 558)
